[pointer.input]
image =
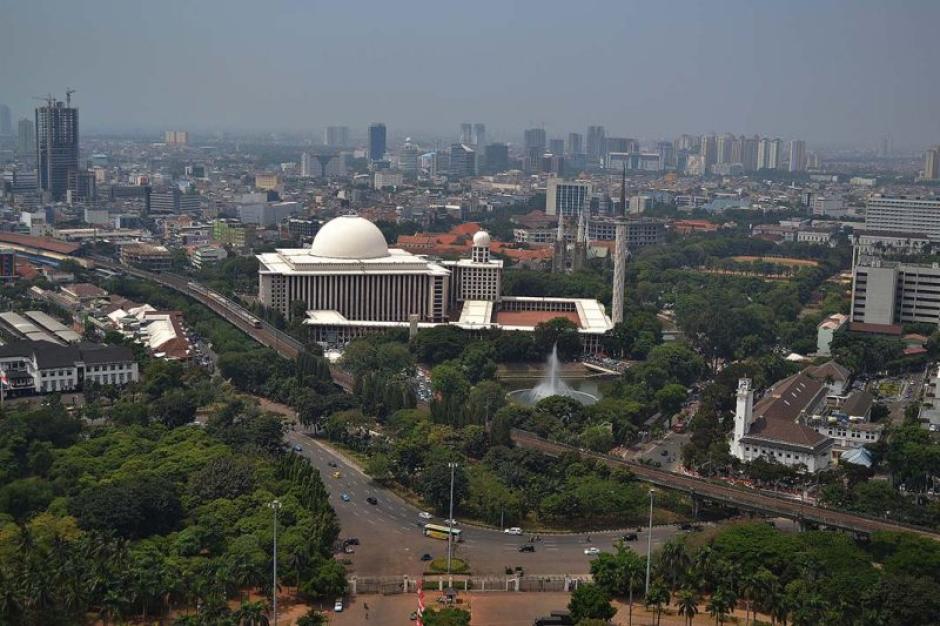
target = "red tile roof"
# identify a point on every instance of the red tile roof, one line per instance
(39, 243)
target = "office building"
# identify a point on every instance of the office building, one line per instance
(797, 155)
(6, 121)
(596, 143)
(568, 198)
(556, 146)
(496, 158)
(408, 160)
(904, 213)
(267, 214)
(7, 264)
(479, 135)
(43, 367)
(622, 144)
(25, 138)
(387, 179)
(300, 229)
(932, 164)
(336, 136)
(173, 201)
(377, 142)
(208, 255)
(56, 146)
(82, 186)
(667, 154)
(233, 233)
(176, 137)
(889, 292)
(534, 139)
(465, 136)
(575, 144)
(309, 168)
(462, 161)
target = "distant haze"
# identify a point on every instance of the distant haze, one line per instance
(831, 72)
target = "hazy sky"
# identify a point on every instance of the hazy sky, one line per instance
(829, 71)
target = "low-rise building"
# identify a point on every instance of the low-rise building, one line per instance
(42, 367)
(826, 330)
(207, 255)
(146, 256)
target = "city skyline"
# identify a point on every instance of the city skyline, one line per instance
(793, 71)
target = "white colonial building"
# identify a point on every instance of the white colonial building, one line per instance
(43, 367)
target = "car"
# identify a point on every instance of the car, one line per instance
(592, 551)
(630, 537)
(337, 475)
(298, 447)
(352, 541)
(338, 605)
(527, 547)
(349, 550)
(515, 530)
(332, 464)
(425, 557)
(664, 453)
(344, 497)
(414, 616)
(450, 522)
(425, 515)
(371, 500)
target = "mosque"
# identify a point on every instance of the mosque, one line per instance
(353, 284)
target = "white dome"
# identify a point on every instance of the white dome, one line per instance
(349, 237)
(481, 239)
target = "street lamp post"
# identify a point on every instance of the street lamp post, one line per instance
(450, 523)
(649, 543)
(275, 506)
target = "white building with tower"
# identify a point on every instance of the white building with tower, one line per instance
(776, 429)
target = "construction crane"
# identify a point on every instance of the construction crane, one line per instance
(68, 96)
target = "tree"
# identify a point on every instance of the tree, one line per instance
(225, 477)
(451, 390)
(589, 601)
(720, 604)
(559, 332)
(687, 604)
(312, 618)
(251, 614)
(486, 398)
(174, 408)
(133, 508)
(379, 467)
(670, 399)
(435, 487)
(657, 597)
(477, 361)
(448, 616)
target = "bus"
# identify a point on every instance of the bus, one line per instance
(440, 532)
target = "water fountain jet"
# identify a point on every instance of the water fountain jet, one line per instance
(550, 384)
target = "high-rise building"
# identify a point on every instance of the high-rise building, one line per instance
(377, 141)
(709, 151)
(667, 154)
(622, 144)
(56, 146)
(724, 147)
(768, 154)
(408, 160)
(570, 198)
(797, 155)
(466, 133)
(534, 138)
(25, 137)
(496, 158)
(556, 146)
(889, 292)
(909, 214)
(176, 137)
(307, 166)
(336, 136)
(6, 122)
(596, 143)
(575, 144)
(462, 161)
(749, 147)
(479, 135)
(932, 164)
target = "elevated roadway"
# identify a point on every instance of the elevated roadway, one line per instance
(737, 497)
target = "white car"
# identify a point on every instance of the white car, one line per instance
(450, 522)
(592, 551)
(425, 515)
(515, 530)
(338, 605)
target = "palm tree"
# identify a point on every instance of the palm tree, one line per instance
(657, 596)
(252, 614)
(687, 602)
(721, 603)
(633, 575)
(674, 561)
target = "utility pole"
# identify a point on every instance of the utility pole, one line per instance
(275, 506)
(649, 543)
(450, 523)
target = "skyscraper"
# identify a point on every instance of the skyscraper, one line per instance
(749, 152)
(408, 160)
(336, 136)
(479, 136)
(556, 146)
(797, 155)
(462, 161)
(25, 137)
(377, 145)
(307, 166)
(596, 142)
(724, 148)
(466, 134)
(496, 158)
(768, 154)
(575, 143)
(709, 151)
(56, 146)
(534, 138)
(6, 123)
(932, 164)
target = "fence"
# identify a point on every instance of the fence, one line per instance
(387, 585)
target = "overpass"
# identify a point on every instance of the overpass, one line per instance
(738, 497)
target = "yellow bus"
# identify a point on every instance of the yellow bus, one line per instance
(441, 532)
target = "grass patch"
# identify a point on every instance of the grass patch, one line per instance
(457, 566)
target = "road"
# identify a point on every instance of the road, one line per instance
(739, 497)
(392, 542)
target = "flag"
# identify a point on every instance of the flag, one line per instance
(420, 620)
(4, 379)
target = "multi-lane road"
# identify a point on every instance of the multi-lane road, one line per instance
(392, 542)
